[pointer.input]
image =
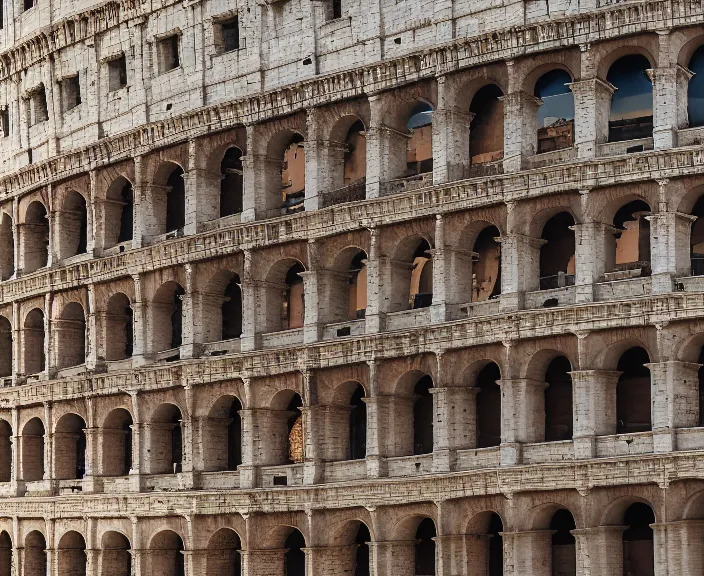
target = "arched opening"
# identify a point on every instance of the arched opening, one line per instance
(73, 226)
(232, 310)
(488, 407)
(486, 130)
(222, 439)
(695, 90)
(355, 162)
(5, 452)
(361, 566)
(35, 554)
(700, 373)
(633, 239)
(5, 554)
(293, 175)
(33, 342)
(166, 554)
(234, 436)
(295, 450)
(224, 554)
(419, 152)
(564, 558)
(294, 557)
(558, 400)
(166, 440)
(119, 327)
(293, 309)
(119, 212)
(358, 425)
(5, 347)
(70, 333)
(696, 238)
(556, 113)
(638, 557)
(175, 200)
(358, 286)
(32, 457)
(7, 248)
(167, 317)
(72, 555)
(631, 115)
(423, 416)
(425, 548)
(117, 443)
(633, 392)
(231, 183)
(421, 289)
(557, 253)
(486, 270)
(116, 555)
(496, 546)
(35, 238)
(70, 448)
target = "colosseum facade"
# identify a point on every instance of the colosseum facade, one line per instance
(352, 288)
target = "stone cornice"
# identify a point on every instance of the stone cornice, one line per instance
(610, 22)
(445, 198)
(583, 476)
(527, 324)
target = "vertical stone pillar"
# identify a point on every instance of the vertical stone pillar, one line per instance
(669, 249)
(452, 557)
(522, 416)
(139, 320)
(592, 104)
(450, 136)
(192, 315)
(16, 343)
(137, 444)
(330, 560)
(594, 406)
(92, 332)
(379, 409)
(441, 273)
(684, 537)
(48, 441)
(311, 324)
(661, 552)
(520, 269)
(248, 339)
(317, 169)
(138, 193)
(314, 433)
(48, 340)
(16, 234)
(670, 85)
(454, 426)
(531, 552)
(189, 478)
(392, 558)
(378, 285)
(593, 256)
(520, 128)
(263, 562)
(16, 483)
(202, 191)
(674, 401)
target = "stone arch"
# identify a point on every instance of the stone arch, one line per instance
(425, 553)
(70, 447)
(558, 400)
(70, 333)
(223, 553)
(486, 129)
(119, 212)
(284, 299)
(557, 254)
(166, 316)
(355, 536)
(223, 448)
(34, 237)
(294, 557)
(7, 246)
(486, 264)
(165, 440)
(419, 150)
(485, 541)
(33, 353)
(35, 557)
(116, 439)
(119, 326)
(169, 198)
(115, 554)
(631, 112)
(5, 554)
(222, 307)
(345, 286)
(166, 556)
(71, 554)
(286, 150)
(231, 182)
(488, 406)
(633, 410)
(5, 452)
(287, 434)
(32, 445)
(348, 156)
(6, 347)
(72, 225)
(630, 248)
(411, 274)
(696, 236)
(555, 116)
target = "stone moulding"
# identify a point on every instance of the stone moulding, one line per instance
(444, 198)
(601, 24)
(582, 476)
(528, 324)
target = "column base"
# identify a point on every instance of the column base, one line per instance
(664, 138)
(313, 472)
(135, 482)
(587, 149)
(17, 488)
(584, 447)
(377, 467)
(250, 476)
(584, 293)
(188, 351)
(375, 323)
(513, 164)
(188, 480)
(511, 302)
(249, 343)
(662, 283)
(444, 460)
(92, 485)
(664, 441)
(311, 333)
(510, 453)
(438, 312)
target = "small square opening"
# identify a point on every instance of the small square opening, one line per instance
(117, 73)
(71, 88)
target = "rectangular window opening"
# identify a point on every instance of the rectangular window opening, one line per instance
(336, 9)
(71, 88)
(5, 121)
(227, 35)
(28, 4)
(117, 73)
(167, 49)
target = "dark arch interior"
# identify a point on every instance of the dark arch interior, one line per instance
(362, 555)
(423, 416)
(633, 237)
(638, 555)
(232, 310)
(695, 93)
(295, 430)
(234, 436)
(177, 317)
(5, 554)
(127, 213)
(556, 114)
(358, 425)
(631, 114)
(633, 392)
(486, 271)
(558, 400)
(496, 546)
(486, 130)
(697, 236)
(294, 558)
(557, 254)
(488, 407)
(232, 183)
(564, 559)
(294, 298)
(425, 548)
(175, 201)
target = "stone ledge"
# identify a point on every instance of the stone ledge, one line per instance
(441, 199)
(582, 476)
(604, 23)
(528, 324)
